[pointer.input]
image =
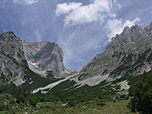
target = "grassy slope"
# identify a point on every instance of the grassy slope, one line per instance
(82, 108)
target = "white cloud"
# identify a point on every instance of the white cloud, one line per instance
(77, 13)
(116, 26)
(66, 8)
(96, 10)
(25, 2)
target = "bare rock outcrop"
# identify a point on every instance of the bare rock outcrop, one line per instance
(45, 56)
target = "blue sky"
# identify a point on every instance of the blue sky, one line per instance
(82, 28)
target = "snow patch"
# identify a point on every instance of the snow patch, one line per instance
(34, 64)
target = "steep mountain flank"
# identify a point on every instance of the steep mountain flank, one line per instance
(12, 59)
(45, 56)
(14, 68)
(128, 53)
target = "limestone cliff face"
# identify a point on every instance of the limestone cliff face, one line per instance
(128, 53)
(12, 59)
(45, 56)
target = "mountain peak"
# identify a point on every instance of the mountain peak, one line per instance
(44, 56)
(123, 51)
(8, 34)
(126, 29)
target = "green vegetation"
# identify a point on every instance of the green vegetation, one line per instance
(130, 78)
(149, 58)
(62, 93)
(9, 103)
(85, 93)
(89, 107)
(49, 74)
(142, 95)
(99, 99)
(119, 54)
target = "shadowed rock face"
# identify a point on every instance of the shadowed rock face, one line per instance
(130, 52)
(45, 56)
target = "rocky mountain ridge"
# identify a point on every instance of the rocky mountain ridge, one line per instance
(128, 53)
(18, 58)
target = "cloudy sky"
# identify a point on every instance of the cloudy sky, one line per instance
(82, 28)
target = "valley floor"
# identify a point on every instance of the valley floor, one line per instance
(82, 108)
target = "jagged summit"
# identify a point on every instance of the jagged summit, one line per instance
(129, 52)
(8, 36)
(9, 33)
